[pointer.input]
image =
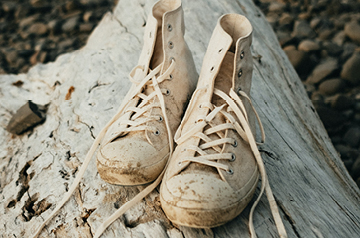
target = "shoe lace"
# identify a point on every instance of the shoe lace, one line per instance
(205, 127)
(152, 79)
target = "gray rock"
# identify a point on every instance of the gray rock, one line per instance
(86, 27)
(315, 22)
(303, 30)
(339, 38)
(348, 50)
(283, 37)
(331, 86)
(28, 21)
(352, 30)
(11, 56)
(322, 71)
(9, 6)
(299, 59)
(276, 7)
(346, 153)
(351, 69)
(71, 24)
(38, 29)
(325, 34)
(341, 102)
(332, 49)
(88, 16)
(286, 19)
(352, 137)
(308, 45)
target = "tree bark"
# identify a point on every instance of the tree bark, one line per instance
(315, 194)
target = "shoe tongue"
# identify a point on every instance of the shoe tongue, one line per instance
(223, 82)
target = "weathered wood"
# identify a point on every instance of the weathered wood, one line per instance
(316, 196)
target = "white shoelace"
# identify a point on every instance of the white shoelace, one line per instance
(151, 80)
(233, 104)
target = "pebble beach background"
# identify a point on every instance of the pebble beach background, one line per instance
(320, 37)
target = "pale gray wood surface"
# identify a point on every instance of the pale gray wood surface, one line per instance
(316, 196)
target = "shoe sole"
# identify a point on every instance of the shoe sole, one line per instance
(132, 176)
(202, 218)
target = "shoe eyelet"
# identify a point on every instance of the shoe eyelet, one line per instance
(172, 59)
(179, 163)
(233, 157)
(160, 119)
(212, 69)
(200, 106)
(167, 92)
(157, 132)
(230, 171)
(171, 44)
(235, 144)
(238, 91)
(242, 54)
(169, 27)
(240, 73)
(170, 77)
(220, 50)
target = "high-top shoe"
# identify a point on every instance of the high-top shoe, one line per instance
(137, 145)
(137, 142)
(215, 168)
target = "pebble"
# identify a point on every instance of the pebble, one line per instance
(351, 69)
(340, 102)
(299, 59)
(352, 30)
(339, 38)
(332, 49)
(71, 24)
(332, 86)
(286, 19)
(308, 45)
(38, 29)
(86, 27)
(352, 137)
(322, 71)
(303, 30)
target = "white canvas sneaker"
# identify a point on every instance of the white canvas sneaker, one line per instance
(137, 142)
(215, 168)
(137, 145)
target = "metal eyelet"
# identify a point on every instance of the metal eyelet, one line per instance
(233, 157)
(242, 54)
(167, 92)
(160, 119)
(169, 27)
(220, 50)
(230, 171)
(239, 90)
(235, 144)
(157, 132)
(179, 163)
(240, 73)
(171, 44)
(200, 106)
(212, 69)
(170, 77)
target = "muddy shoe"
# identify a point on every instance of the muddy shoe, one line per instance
(215, 168)
(137, 144)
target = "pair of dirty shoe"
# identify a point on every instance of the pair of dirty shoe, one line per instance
(212, 174)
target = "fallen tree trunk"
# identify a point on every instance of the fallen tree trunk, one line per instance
(315, 194)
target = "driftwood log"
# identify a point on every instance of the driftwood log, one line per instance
(315, 194)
